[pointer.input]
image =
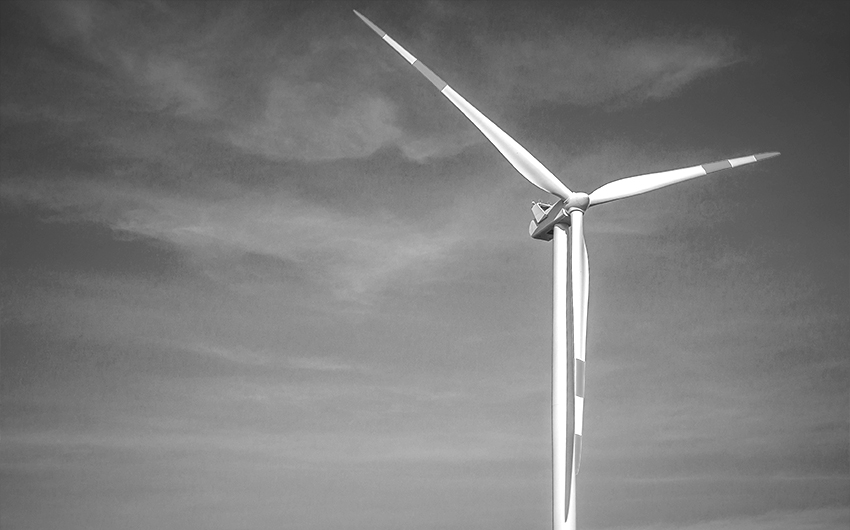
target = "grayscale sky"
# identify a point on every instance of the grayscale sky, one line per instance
(258, 274)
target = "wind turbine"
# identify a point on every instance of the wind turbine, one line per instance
(551, 223)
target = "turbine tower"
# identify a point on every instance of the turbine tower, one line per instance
(552, 222)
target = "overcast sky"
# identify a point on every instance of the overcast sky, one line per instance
(257, 273)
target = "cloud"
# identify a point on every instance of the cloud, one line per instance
(249, 356)
(305, 122)
(355, 257)
(240, 355)
(69, 19)
(592, 55)
(170, 82)
(320, 364)
(320, 97)
(827, 518)
(271, 102)
(145, 52)
(588, 69)
(307, 119)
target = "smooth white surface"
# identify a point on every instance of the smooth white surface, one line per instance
(528, 166)
(630, 186)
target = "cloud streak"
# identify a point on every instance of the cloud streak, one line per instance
(354, 256)
(172, 60)
(303, 122)
(827, 518)
(585, 69)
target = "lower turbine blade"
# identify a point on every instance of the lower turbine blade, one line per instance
(580, 280)
(630, 186)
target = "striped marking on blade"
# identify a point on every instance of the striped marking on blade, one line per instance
(577, 452)
(434, 78)
(732, 162)
(716, 166)
(571, 411)
(579, 378)
(419, 65)
(743, 160)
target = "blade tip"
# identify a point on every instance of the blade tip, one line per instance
(765, 156)
(369, 23)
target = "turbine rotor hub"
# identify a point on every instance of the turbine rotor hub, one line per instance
(577, 201)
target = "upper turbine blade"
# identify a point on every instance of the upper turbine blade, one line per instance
(627, 187)
(528, 166)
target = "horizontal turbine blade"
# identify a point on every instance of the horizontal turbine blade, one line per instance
(627, 187)
(527, 166)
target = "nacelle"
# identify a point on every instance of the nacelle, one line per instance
(545, 218)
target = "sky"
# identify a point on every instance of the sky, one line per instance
(258, 273)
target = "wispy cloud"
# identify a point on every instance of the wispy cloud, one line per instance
(353, 256)
(140, 46)
(273, 103)
(597, 58)
(240, 355)
(320, 364)
(301, 121)
(827, 518)
(306, 119)
(281, 359)
(587, 69)
(171, 82)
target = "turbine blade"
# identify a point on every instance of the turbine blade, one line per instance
(627, 187)
(579, 279)
(527, 166)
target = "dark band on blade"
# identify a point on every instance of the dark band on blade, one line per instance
(716, 166)
(434, 78)
(577, 452)
(579, 378)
